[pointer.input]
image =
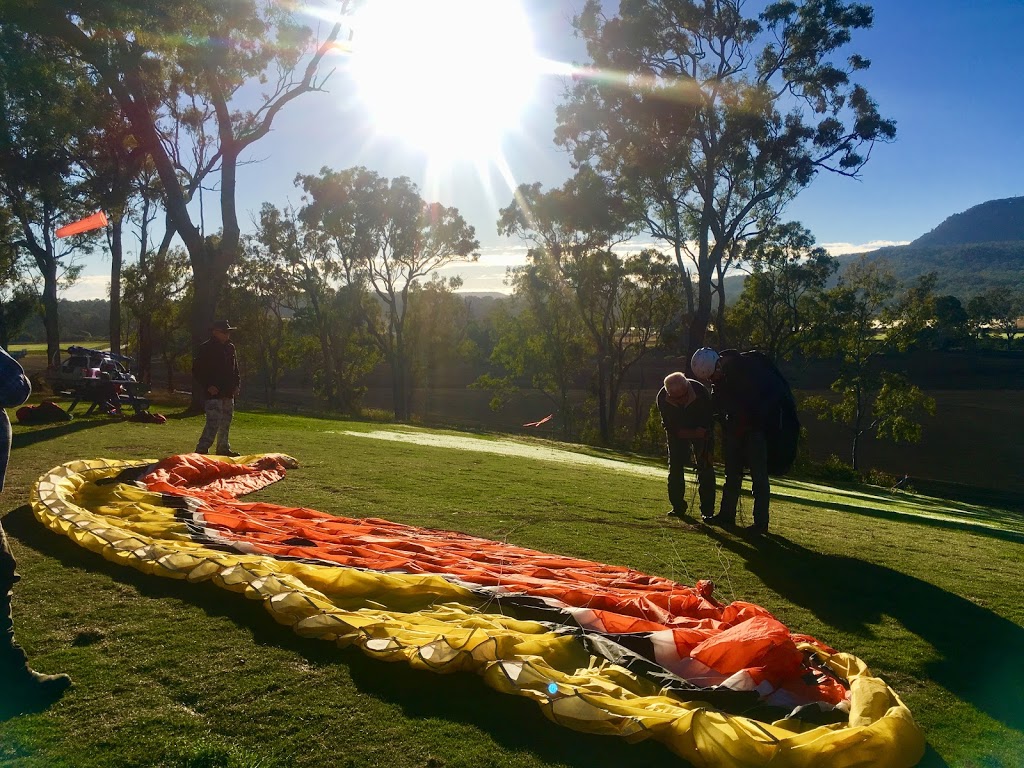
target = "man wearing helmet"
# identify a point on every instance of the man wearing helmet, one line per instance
(687, 417)
(746, 393)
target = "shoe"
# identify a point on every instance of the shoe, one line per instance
(756, 530)
(678, 511)
(32, 691)
(721, 522)
(230, 454)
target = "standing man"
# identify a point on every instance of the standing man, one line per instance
(22, 686)
(216, 370)
(687, 416)
(746, 396)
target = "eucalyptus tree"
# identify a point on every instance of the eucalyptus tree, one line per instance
(199, 82)
(998, 309)
(19, 297)
(112, 164)
(787, 271)
(575, 229)
(437, 325)
(262, 299)
(386, 234)
(157, 294)
(45, 100)
(855, 323)
(710, 120)
(328, 298)
(540, 343)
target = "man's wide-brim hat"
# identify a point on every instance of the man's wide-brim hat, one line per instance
(222, 325)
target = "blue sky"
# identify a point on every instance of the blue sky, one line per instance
(951, 73)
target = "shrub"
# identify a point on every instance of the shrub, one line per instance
(890, 482)
(832, 470)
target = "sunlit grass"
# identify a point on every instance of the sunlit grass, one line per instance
(174, 674)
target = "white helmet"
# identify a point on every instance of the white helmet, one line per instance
(704, 362)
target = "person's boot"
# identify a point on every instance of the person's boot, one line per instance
(25, 690)
(31, 691)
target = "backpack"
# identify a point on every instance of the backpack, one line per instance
(147, 417)
(782, 430)
(46, 412)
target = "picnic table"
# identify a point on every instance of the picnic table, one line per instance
(108, 395)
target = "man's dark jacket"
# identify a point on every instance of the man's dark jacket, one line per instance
(215, 366)
(696, 414)
(747, 396)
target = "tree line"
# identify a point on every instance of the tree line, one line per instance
(714, 121)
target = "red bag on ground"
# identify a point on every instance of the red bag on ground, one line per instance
(47, 412)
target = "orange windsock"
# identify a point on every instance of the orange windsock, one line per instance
(97, 220)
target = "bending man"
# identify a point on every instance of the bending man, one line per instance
(687, 417)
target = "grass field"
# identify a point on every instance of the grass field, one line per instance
(181, 675)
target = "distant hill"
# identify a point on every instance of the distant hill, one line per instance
(972, 251)
(996, 221)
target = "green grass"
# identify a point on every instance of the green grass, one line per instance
(173, 674)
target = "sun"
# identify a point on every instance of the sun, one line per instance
(450, 78)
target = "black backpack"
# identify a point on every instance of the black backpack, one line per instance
(782, 430)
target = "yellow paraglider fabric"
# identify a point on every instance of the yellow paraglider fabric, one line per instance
(442, 624)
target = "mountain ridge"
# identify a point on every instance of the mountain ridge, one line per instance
(994, 221)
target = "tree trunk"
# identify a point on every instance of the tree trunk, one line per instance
(602, 396)
(720, 317)
(116, 256)
(857, 432)
(207, 281)
(702, 315)
(399, 379)
(51, 322)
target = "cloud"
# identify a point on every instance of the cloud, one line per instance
(841, 249)
(485, 275)
(88, 287)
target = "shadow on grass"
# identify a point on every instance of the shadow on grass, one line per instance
(514, 722)
(978, 651)
(983, 527)
(22, 439)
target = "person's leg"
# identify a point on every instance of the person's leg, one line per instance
(733, 448)
(705, 476)
(212, 426)
(757, 460)
(678, 451)
(227, 413)
(23, 687)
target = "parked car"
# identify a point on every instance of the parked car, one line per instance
(85, 363)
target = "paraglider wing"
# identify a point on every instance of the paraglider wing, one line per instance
(601, 648)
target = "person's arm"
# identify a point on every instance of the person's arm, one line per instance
(236, 379)
(14, 385)
(702, 411)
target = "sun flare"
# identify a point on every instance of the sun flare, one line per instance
(448, 77)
